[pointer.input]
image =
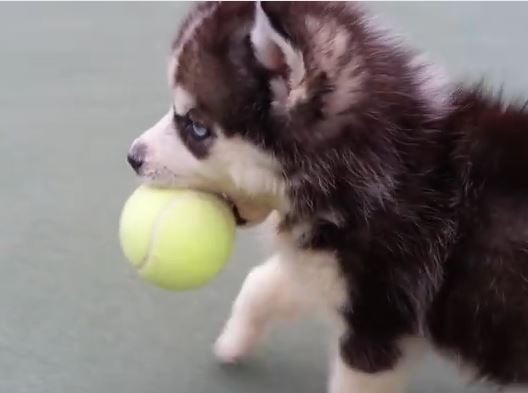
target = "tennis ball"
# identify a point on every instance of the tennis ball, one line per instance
(177, 239)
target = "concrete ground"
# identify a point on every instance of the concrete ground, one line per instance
(77, 83)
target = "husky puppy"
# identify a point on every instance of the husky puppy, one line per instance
(398, 201)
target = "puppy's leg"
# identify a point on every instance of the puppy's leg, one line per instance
(346, 379)
(268, 293)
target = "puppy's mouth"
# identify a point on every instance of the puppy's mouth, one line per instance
(240, 221)
(248, 211)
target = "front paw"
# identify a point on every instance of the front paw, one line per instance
(235, 342)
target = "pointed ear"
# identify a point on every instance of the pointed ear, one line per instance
(272, 49)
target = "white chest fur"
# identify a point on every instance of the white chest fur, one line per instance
(315, 275)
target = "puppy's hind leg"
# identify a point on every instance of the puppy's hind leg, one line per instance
(268, 293)
(345, 378)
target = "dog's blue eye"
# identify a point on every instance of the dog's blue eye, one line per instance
(198, 131)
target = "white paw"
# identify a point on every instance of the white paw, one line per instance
(235, 342)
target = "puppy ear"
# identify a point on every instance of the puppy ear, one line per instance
(272, 49)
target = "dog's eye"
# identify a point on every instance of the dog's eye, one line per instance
(198, 131)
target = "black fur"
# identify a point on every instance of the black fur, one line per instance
(430, 207)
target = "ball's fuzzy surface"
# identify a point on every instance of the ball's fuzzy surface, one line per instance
(177, 239)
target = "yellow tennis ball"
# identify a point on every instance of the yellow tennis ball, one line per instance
(177, 239)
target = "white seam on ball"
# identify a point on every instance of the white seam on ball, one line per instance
(154, 235)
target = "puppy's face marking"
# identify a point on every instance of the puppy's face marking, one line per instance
(187, 148)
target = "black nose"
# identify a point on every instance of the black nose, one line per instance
(136, 156)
